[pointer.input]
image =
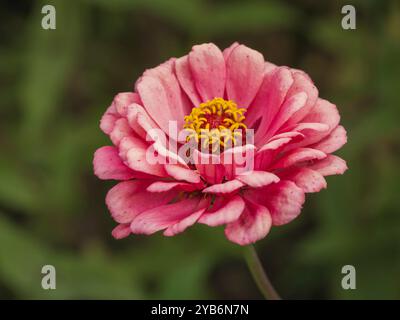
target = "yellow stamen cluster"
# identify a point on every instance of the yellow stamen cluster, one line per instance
(215, 123)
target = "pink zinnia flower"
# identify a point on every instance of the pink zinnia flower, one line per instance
(295, 134)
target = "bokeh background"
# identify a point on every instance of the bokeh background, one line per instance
(55, 85)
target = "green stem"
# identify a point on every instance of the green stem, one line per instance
(259, 275)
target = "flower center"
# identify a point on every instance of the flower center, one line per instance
(216, 123)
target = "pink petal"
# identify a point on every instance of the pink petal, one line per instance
(278, 141)
(188, 221)
(253, 225)
(108, 165)
(208, 69)
(238, 160)
(309, 131)
(108, 120)
(310, 128)
(140, 121)
(223, 211)
(121, 130)
(306, 179)
(227, 51)
(167, 151)
(298, 156)
(165, 216)
(257, 179)
(123, 100)
(179, 172)
(186, 80)
(336, 139)
(165, 147)
(136, 159)
(134, 152)
(269, 67)
(244, 74)
(297, 136)
(267, 153)
(144, 127)
(162, 96)
(288, 109)
(302, 83)
(284, 201)
(275, 144)
(129, 198)
(331, 165)
(121, 231)
(226, 187)
(268, 101)
(128, 143)
(209, 167)
(322, 112)
(161, 186)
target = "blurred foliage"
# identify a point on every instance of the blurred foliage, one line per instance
(55, 85)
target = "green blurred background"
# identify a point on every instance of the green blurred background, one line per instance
(55, 85)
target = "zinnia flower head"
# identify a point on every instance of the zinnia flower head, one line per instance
(259, 138)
